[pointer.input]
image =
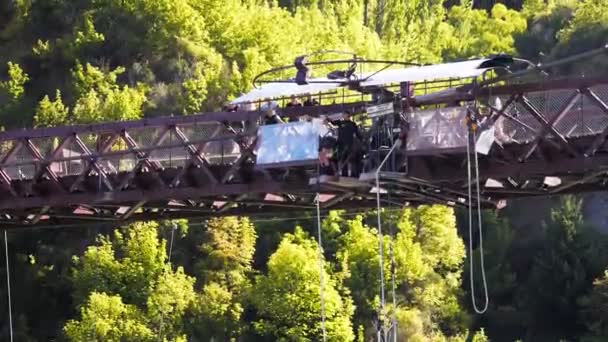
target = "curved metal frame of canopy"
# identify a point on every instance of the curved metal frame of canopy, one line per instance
(412, 72)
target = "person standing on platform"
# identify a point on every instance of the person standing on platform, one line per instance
(293, 102)
(271, 117)
(349, 139)
(310, 101)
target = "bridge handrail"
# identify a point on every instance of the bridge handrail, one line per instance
(124, 152)
(468, 93)
(114, 127)
(463, 93)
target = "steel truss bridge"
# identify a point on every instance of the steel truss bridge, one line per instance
(550, 139)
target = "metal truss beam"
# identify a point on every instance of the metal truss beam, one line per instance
(548, 126)
(137, 186)
(601, 138)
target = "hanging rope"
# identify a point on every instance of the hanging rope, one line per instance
(471, 141)
(173, 228)
(99, 168)
(171, 150)
(380, 252)
(162, 316)
(393, 287)
(380, 238)
(69, 162)
(320, 242)
(8, 287)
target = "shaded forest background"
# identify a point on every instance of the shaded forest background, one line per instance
(257, 278)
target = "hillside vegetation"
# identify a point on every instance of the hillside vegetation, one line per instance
(253, 279)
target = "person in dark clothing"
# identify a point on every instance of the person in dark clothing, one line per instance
(272, 117)
(310, 102)
(326, 159)
(231, 108)
(349, 138)
(293, 102)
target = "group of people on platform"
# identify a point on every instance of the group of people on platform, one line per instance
(339, 154)
(342, 151)
(271, 117)
(347, 145)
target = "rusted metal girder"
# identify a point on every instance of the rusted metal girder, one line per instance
(461, 94)
(204, 166)
(469, 93)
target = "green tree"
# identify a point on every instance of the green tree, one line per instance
(14, 86)
(110, 60)
(586, 30)
(562, 272)
(216, 314)
(107, 318)
(132, 266)
(480, 336)
(543, 28)
(595, 310)
(502, 280)
(99, 98)
(87, 78)
(13, 15)
(51, 113)
(87, 34)
(428, 236)
(469, 35)
(227, 249)
(359, 253)
(428, 259)
(131, 276)
(587, 13)
(541, 8)
(410, 30)
(287, 300)
(195, 91)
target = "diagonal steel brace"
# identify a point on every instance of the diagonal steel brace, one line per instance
(548, 126)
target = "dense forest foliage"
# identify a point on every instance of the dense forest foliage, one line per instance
(83, 61)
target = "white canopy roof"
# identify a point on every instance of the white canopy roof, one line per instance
(464, 69)
(276, 89)
(426, 73)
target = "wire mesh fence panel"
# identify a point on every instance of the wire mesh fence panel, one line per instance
(119, 164)
(601, 91)
(580, 120)
(23, 164)
(583, 117)
(437, 129)
(550, 103)
(170, 157)
(221, 152)
(146, 136)
(92, 141)
(203, 131)
(211, 140)
(46, 145)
